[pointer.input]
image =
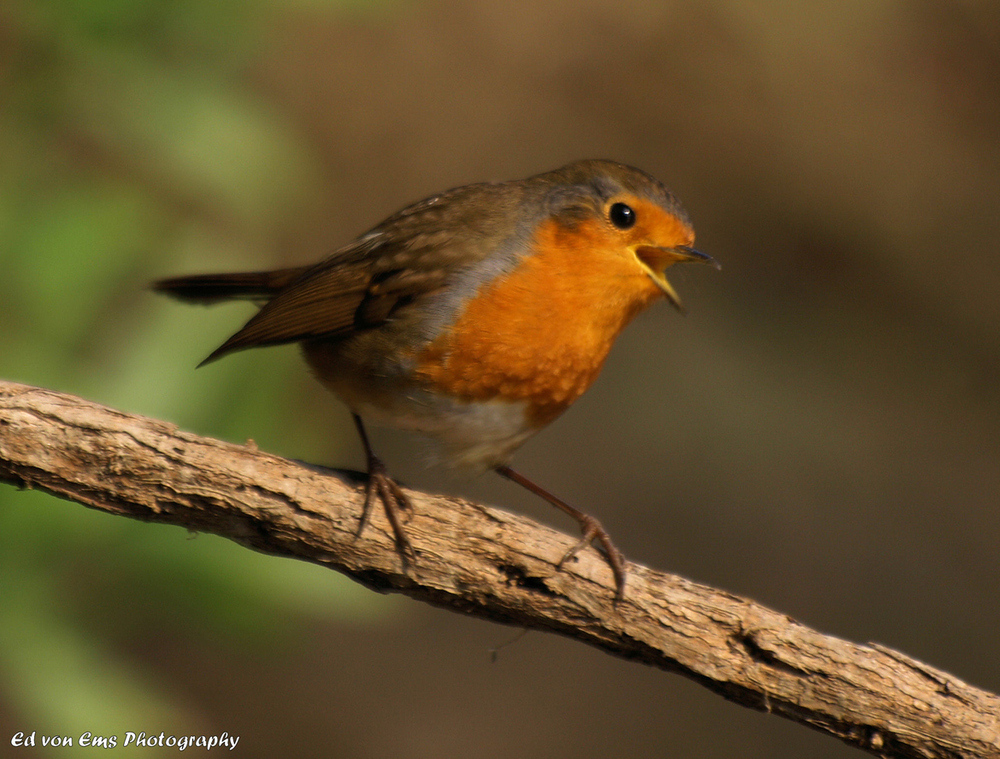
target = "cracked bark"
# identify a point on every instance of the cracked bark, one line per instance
(490, 563)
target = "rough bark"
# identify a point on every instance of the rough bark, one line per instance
(483, 561)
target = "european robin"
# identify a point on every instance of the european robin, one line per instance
(476, 316)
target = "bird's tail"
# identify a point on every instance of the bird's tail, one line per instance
(213, 288)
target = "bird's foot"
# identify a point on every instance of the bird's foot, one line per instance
(594, 531)
(394, 502)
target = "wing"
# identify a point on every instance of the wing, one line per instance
(411, 254)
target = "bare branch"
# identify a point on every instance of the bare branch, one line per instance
(497, 565)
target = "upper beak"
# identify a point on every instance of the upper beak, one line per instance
(656, 260)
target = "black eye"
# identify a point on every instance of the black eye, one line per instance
(621, 215)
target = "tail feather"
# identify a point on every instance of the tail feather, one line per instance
(213, 288)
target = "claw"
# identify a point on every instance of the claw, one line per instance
(382, 486)
(591, 528)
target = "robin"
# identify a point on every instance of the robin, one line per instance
(476, 316)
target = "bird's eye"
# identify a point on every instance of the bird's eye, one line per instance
(621, 215)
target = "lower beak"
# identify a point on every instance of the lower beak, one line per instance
(656, 260)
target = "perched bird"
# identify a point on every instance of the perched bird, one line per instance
(476, 316)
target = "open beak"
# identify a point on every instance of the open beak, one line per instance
(656, 260)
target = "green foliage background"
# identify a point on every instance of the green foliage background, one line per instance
(131, 145)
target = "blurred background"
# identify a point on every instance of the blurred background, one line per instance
(821, 433)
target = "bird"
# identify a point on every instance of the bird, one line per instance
(474, 317)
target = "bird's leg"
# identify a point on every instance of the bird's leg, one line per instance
(591, 528)
(392, 496)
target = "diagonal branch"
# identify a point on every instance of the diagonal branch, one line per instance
(493, 564)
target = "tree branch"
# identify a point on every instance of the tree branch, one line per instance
(493, 564)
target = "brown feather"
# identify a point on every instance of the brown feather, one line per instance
(213, 288)
(318, 305)
(360, 286)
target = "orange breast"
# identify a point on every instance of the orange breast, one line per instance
(542, 332)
